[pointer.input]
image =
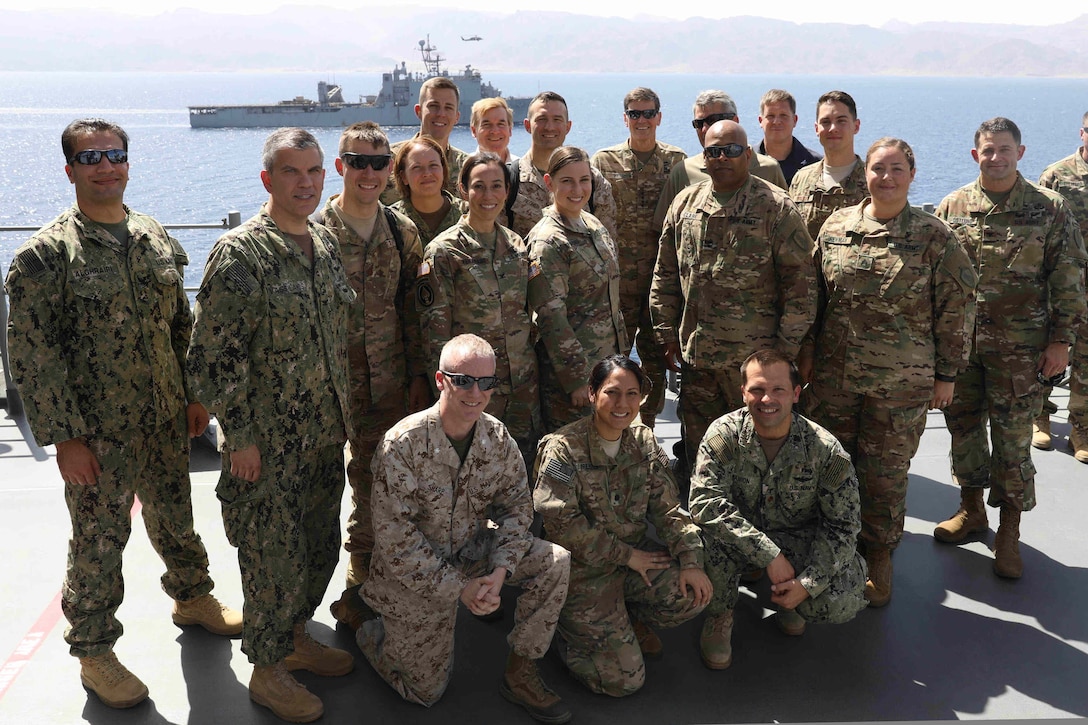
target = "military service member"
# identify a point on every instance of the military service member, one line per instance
(734, 274)
(419, 171)
(452, 513)
(778, 118)
(269, 354)
(492, 125)
(1069, 177)
(1028, 252)
(97, 335)
(381, 254)
(637, 170)
(773, 489)
(839, 180)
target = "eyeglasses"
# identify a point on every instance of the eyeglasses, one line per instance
(465, 382)
(90, 157)
(729, 151)
(635, 115)
(378, 162)
(698, 123)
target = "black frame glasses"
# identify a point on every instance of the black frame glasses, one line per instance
(729, 151)
(378, 162)
(710, 120)
(93, 157)
(465, 382)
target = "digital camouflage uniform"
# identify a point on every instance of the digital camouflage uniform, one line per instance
(896, 306)
(576, 296)
(1030, 259)
(636, 187)
(533, 196)
(804, 505)
(816, 201)
(457, 208)
(455, 160)
(269, 355)
(384, 351)
(1069, 177)
(466, 286)
(97, 337)
(597, 508)
(729, 281)
(440, 523)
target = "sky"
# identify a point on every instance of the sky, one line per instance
(807, 11)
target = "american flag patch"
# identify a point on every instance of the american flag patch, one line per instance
(559, 471)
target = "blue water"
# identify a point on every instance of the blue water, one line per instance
(183, 175)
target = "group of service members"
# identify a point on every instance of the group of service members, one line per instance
(517, 288)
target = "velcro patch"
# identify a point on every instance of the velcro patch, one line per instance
(534, 270)
(240, 278)
(31, 264)
(424, 293)
(717, 444)
(662, 457)
(424, 270)
(559, 471)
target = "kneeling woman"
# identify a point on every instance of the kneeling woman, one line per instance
(598, 482)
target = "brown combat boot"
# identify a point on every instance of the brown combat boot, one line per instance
(521, 685)
(1078, 443)
(1040, 433)
(275, 688)
(209, 613)
(716, 641)
(1007, 562)
(878, 588)
(350, 609)
(313, 656)
(648, 641)
(115, 686)
(969, 519)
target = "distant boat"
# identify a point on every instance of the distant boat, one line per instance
(393, 106)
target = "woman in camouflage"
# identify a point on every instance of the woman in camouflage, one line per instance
(419, 171)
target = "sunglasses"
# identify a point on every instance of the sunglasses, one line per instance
(465, 382)
(1050, 382)
(90, 157)
(360, 161)
(635, 115)
(729, 151)
(710, 120)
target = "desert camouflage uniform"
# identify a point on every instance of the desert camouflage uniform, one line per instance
(533, 196)
(1069, 177)
(465, 286)
(576, 296)
(1030, 259)
(636, 187)
(384, 351)
(457, 208)
(896, 306)
(804, 505)
(816, 202)
(269, 354)
(97, 337)
(440, 523)
(729, 281)
(455, 160)
(598, 507)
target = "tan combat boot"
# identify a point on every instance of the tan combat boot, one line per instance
(313, 656)
(1040, 433)
(1007, 562)
(648, 641)
(275, 688)
(350, 609)
(878, 589)
(716, 641)
(1078, 443)
(521, 685)
(209, 613)
(111, 681)
(969, 519)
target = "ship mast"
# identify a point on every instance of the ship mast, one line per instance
(431, 62)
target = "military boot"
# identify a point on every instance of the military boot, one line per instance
(115, 686)
(1007, 562)
(1078, 443)
(521, 685)
(275, 688)
(790, 622)
(716, 641)
(1040, 433)
(350, 609)
(648, 641)
(969, 519)
(878, 589)
(209, 613)
(313, 656)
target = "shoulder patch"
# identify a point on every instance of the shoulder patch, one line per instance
(424, 292)
(424, 270)
(716, 443)
(240, 278)
(31, 264)
(559, 471)
(534, 270)
(662, 457)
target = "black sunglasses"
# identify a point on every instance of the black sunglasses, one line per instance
(729, 151)
(710, 120)
(1051, 382)
(360, 161)
(465, 382)
(647, 114)
(90, 157)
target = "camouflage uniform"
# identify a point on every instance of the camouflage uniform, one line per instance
(455, 160)
(384, 352)
(97, 337)
(465, 286)
(269, 354)
(728, 281)
(457, 208)
(896, 306)
(576, 296)
(636, 188)
(533, 196)
(439, 524)
(1030, 259)
(804, 505)
(816, 202)
(1069, 177)
(598, 508)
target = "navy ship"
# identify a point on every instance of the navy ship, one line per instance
(393, 106)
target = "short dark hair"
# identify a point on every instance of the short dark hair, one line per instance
(549, 96)
(766, 358)
(439, 83)
(838, 97)
(1000, 124)
(288, 138)
(400, 161)
(365, 131)
(641, 94)
(482, 158)
(83, 126)
(604, 368)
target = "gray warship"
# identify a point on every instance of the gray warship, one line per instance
(393, 106)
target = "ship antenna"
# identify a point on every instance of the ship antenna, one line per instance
(431, 62)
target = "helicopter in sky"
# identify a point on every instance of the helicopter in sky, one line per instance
(471, 38)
